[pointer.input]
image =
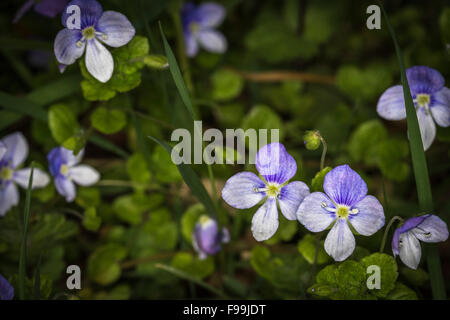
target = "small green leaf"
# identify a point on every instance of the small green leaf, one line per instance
(193, 266)
(401, 292)
(307, 247)
(388, 269)
(226, 85)
(62, 122)
(417, 277)
(317, 181)
(103, 265)
(363, 144)
(190, 218)
(108, 121)
(91, 221)
(156, 61)
(137, 168)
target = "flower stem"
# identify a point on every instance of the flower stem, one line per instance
(324, 152)
(386, 231)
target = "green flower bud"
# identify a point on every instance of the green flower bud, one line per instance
(312, 140)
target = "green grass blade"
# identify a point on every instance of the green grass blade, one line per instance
(192, 180)
(23, 249)
(420, 170)
(177, 77)
(185, 276)
(54, 91)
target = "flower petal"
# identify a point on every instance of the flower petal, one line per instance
(409, 249)
(17, 149)
(50, 8)
(116, 27)
(210, 14)
(212, 40)
(239, 191)
(312, 213)
(65, 47)
(427, 128)
(99, 61)
(40, 178)
(2, 150)
(275, 164)
(90, 11)
(207, 237)
(190, 44)
(391, 105)
(291, 196)
(6, 289)
(340, 241)
(66, 188)
(265, 220)
(432, 229)
(9, 197)
(370, 216)
(422, 79)
(84, 175)
(344, 186)
(440, 107)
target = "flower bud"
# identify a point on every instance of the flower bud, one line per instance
(312, 140)
(207, 238)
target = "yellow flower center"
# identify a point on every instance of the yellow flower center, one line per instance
(88, 33)
(423, 100)
(342, 212)
(64, 170)
(194, 27)
(273, 190)
(6, 174)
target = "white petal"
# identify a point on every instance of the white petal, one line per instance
(340, 241)
(191, 44)
(65, 47)
(239, 191)
(117, 28)
(441, 107)
(9, 197)
(370, 216)
(212, 41)
(66, 188)
(40, 178)
(313, 215)
(291, 196)
(17, 148)
(391, 105)
(84, 175)
(265, 220)
(427, 128)
(432, 229)
(410, 250)
(99, 61)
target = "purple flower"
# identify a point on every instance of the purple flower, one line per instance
(48, 8)
(97, 27)
(431, 99)
(10, 174)
(405, 243)
(244, 190)
(6, 289)
(345, 201)
(198, 27)
(207, 237)
(63, 166)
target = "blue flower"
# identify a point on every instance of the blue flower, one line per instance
(344, 202)
(207, 237)
(405, 243)
(63, 166)
(431, 99)
(6, 289)
(48, 8)
(10, 174)
(244, 190)
(97, 27)
(198, 28)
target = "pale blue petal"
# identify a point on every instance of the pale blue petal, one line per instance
(117, 28)
(40, 178)
(265, 220)
(9, 197)
(84, 175)
(2, 150)
(370, 216)
(190, 44)
(275, 164)
(391, 105)
(427, 128)
(344, 186)
(90, 10)
(65, 47)
(312, 212)
(17, 149)
(210, 14)
(440, 108)
(239, 191)
(422, 79)
(99, 61)
(290, 197)
(340, 241)
(432, 229)
(66, 188)
(409, 249)
(212, 41)
(6, 289)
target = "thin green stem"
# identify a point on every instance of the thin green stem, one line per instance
(324, 153)
(386, 232)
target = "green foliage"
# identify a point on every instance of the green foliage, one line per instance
(190, 218)
(389, 273)
(103, 265)
(317, 181)
(402, 292)
(156, 61)
(307, 247)
(444, 22)
(263, 117)
(91, 221)
(130, 208)
(108, 121)
(193, 266)
(137, 169)
(226, 85)
(64, 126)
(417, 277)
(363, 144)
(128, 60)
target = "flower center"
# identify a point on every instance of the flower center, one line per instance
(342, 212)
(273, 190)
(88, 33)
(423, 100)
(204, 219)
(64, 170)
(194, 27)
(6, 174)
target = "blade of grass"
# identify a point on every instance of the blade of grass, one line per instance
(197, 281)
(23, 250)
(420, 170)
